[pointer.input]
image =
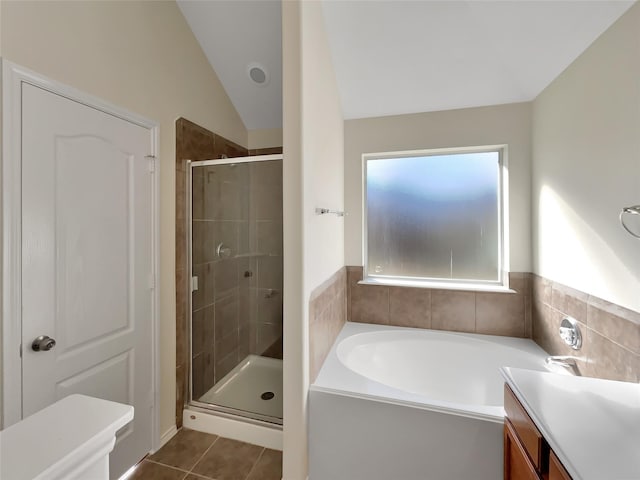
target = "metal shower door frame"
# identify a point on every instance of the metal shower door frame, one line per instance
(227, 412)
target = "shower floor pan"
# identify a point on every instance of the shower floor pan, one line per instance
(254, 385)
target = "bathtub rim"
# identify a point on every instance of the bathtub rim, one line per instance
(336, 378)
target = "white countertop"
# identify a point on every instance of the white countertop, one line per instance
(592, 425)
(47, 441)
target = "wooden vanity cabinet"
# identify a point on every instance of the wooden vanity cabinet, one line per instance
(527, 455)
(517, 465)
(556, 470)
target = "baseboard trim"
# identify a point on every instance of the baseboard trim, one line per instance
(234, 429)
(166, 436)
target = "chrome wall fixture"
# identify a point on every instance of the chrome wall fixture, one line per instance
(634, 210)
(324, 211)
(570, 333)
(222, 251)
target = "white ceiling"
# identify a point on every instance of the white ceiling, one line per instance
(394, 57)
(397, 57)
(234, 34)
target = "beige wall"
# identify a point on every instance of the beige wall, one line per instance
(264, 138)
(141, 56)
(323, 153)
(586, 167)
(294, 458)
(313, 177)
(1, 287)
(502, 124)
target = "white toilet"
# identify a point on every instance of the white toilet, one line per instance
(70, 439)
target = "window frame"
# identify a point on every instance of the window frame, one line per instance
(499, 285)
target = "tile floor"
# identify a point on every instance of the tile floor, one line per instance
(192, 455)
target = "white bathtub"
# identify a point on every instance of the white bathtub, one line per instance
(395, 403)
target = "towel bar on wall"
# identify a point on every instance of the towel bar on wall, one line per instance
(324, 211)
(634, 210)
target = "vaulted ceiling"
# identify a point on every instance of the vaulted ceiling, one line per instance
(394, 57)
(237, 36)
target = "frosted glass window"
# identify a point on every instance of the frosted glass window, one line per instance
(434, 217)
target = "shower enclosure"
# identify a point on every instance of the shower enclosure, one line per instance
(235, 251)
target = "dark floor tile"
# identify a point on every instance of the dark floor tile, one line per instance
(184, 449)
(268, 466)
(228, 460)
(153, 471)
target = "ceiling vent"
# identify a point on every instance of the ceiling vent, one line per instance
(258, 74)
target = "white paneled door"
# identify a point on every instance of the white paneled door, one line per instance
(87, 262)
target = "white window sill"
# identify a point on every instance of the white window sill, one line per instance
(469, 287)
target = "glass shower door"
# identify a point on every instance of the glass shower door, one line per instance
(236, 258)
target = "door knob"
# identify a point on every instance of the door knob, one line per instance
(43, 344)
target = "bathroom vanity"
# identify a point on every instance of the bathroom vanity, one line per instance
(527, 455)
(570, 428)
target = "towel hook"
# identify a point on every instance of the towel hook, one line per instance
(634, 210)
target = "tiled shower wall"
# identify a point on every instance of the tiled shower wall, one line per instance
(265, 261)
(611, 334)
(237, 309)
(196, 143)
(192, 143)
(327, 315)
(220, 325)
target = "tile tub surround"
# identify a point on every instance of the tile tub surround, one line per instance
(507, 314)
(327, 315)
(610, 333)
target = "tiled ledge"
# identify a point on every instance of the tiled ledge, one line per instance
(455, 310)
(327, 315)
